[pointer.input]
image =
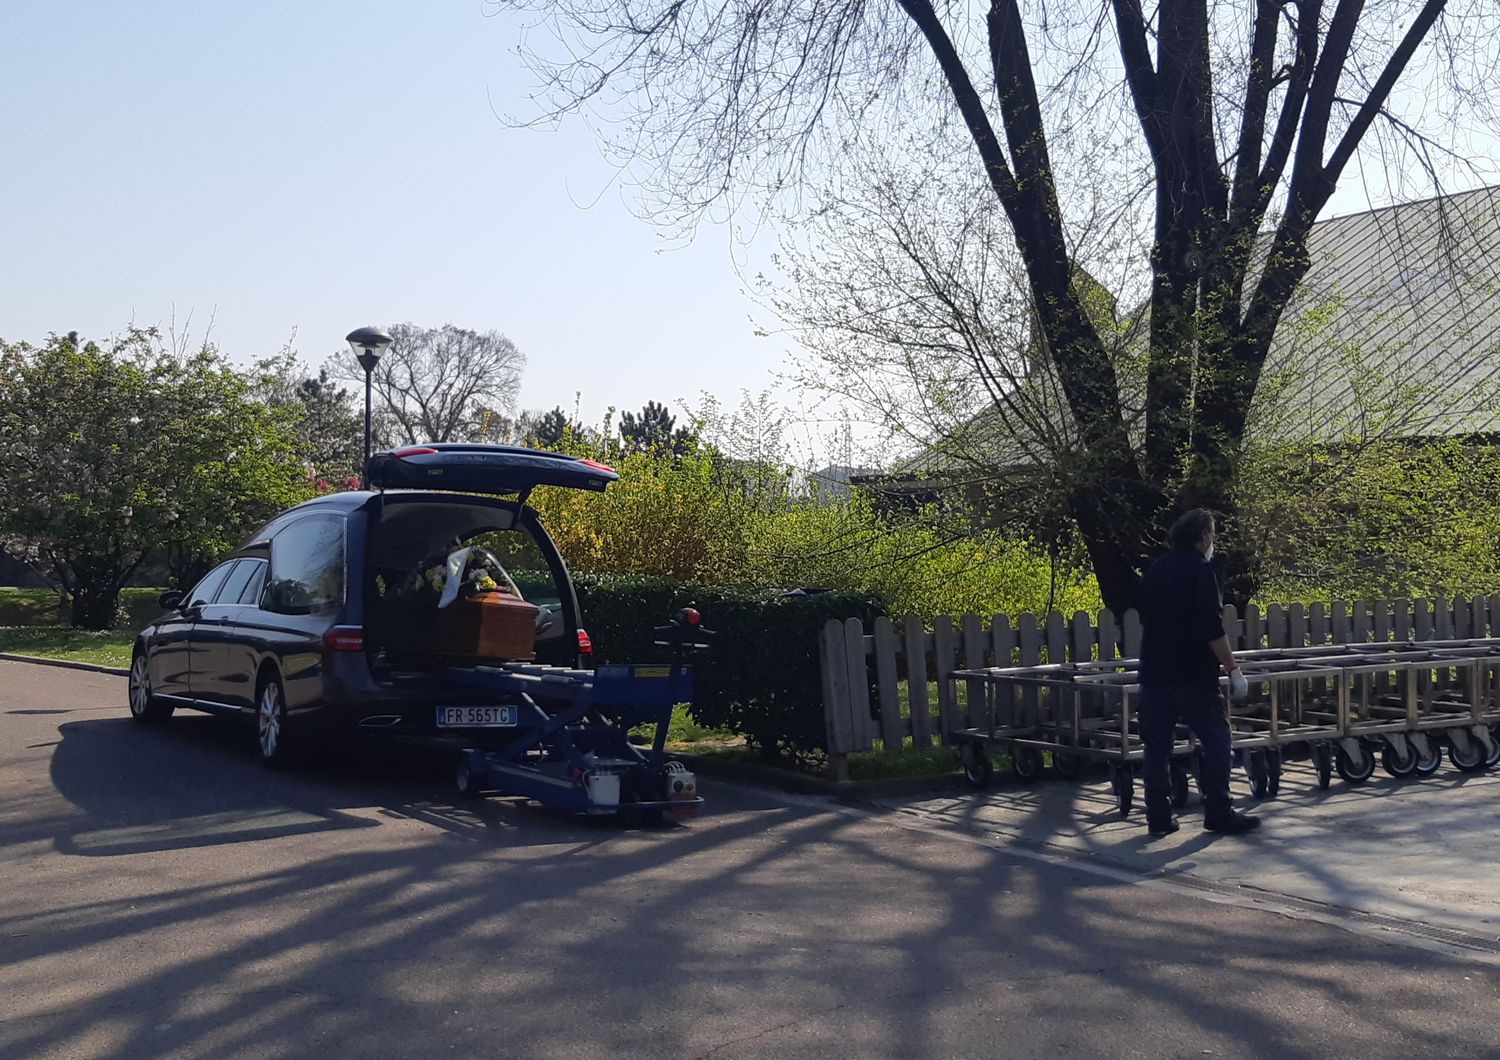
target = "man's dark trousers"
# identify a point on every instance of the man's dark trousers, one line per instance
(1163, 707)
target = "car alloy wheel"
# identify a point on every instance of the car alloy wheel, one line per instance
(140, 687)
(144, 707)
(270, 723)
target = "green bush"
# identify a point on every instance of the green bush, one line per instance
(762, 677)
(701, 522)
(1380, 521)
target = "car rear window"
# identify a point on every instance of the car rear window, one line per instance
(307, 567)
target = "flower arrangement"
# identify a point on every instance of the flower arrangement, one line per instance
(463, 573)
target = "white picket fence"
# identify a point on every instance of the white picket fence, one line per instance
(906, 666)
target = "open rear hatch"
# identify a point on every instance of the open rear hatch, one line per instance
(472, 468)
(446, 496)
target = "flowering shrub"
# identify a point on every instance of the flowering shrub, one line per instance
(323, 486)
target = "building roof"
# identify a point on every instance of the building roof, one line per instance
(1395, 329)
(1394, 332)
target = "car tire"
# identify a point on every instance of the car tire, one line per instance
(272, 734)
(145, 707)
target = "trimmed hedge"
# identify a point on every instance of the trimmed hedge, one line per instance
(761, 678)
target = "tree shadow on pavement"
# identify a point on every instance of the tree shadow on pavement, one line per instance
(353, 927)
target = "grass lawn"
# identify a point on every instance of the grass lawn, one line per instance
(39, 607)
(110, 648)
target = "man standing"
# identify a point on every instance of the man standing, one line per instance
(1182, 649)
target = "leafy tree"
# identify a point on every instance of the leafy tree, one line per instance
(655, 428)
(439, 384)
(116, 451)
(549, 429)
(326, 423)
(1197, 185)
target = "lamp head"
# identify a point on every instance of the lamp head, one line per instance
(368, 344)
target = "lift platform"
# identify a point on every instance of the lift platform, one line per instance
(562, 736)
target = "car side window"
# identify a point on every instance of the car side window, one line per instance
(307, 567)
(234, 585)
(250, 594)
(204, 591)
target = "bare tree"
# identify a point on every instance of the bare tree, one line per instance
(436, 384)
(911, 303)
(1243, 117)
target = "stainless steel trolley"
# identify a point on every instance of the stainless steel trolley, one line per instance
(1338, 706)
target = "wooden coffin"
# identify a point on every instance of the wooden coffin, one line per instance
(480, 630)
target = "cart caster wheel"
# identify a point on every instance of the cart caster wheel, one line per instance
(1426, 762)
(1259, 774)
(1067, 764)
(1493, 758)
(1354, 770)
(1123, 782)
(978, 769)
(1468, 759)
(1180, 789)
(1273, 773)
(1322, 760)
(466, 778)
(1026, 762)
(1399, 759)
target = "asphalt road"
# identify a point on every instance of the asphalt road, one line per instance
(162, 895)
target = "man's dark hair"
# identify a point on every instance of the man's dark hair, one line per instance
(1191, 527)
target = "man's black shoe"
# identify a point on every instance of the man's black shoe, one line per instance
(1234, 824)
(1161, 828)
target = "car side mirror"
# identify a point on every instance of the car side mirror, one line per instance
(170, 601)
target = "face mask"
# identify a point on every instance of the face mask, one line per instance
(1209, 555)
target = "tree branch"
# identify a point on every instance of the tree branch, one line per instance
(1381, 90)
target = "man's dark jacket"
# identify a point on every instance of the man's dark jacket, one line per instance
(1181, 613)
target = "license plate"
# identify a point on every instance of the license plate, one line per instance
(476, 717)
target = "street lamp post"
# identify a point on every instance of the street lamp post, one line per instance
(368, 344)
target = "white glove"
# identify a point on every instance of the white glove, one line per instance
(1239, 686)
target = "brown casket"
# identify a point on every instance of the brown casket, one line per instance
(477, 630)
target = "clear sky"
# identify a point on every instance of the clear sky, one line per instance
(323, 164)
(317, 165)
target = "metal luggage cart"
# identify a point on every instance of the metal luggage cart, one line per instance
(1335, 705)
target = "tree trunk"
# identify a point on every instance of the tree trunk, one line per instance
(1117, 566)
(93, 606)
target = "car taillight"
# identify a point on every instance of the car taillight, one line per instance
(596, 464)
(585, 645)
(414, 450)
(345, 638)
